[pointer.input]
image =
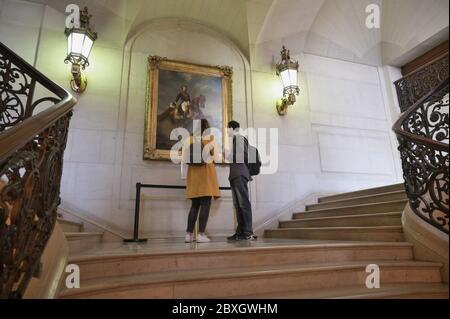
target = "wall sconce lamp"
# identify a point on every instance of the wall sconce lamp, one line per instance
(287, 70)
(79, 44)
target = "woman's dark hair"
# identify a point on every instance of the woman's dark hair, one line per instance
(204, 125)
(234, 125)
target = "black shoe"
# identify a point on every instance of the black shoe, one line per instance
(247, 238)
(233, 238)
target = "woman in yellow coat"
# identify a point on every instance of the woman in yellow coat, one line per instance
(201, 185)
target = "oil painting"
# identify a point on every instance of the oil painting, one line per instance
(178, 93)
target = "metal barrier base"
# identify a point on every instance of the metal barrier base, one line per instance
(139, 240)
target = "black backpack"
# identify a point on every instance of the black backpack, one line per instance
(195, 154)
(253, 164)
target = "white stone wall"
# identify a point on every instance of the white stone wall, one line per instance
(20, 24)
(335, 138)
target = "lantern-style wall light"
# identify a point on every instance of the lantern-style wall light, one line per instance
(79, 44)
(287, 70)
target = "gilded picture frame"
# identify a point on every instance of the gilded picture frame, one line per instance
(213, 87)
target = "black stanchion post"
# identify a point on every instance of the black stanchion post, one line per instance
(137, 208)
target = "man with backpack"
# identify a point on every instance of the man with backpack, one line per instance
(243, 164)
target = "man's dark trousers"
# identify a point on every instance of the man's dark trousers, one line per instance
(241, 202)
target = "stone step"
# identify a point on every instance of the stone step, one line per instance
(364, 192)
(363, 209)
(385, 197)
(381, 219)
(375, 233)
(391, 291)
(70, 226)
(100, 266)
(82, 241)
(232, 282)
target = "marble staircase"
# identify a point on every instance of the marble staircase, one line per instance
(321, 253)
(78, 239)
(367, 215)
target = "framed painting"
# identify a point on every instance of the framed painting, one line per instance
(179, 93)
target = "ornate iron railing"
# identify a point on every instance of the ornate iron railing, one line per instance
(413, 87)
(423, 135)
(31, 158)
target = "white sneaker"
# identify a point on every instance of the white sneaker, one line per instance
(202, 238)
(188, 238)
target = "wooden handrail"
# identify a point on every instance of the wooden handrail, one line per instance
(20, 134)
(397, 127)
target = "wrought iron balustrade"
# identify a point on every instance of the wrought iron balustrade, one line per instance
(31, 157)
(413, 87)
(423, 135)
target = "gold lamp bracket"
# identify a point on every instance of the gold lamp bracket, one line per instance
(284, 103)
(79, 81)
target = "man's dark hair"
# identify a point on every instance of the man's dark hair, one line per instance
(234, 125)
(204, 125)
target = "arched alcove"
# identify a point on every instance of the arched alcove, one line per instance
(164, 212)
